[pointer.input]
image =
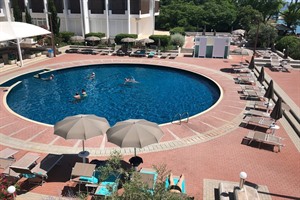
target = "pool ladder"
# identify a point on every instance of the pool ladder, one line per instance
(182, 116)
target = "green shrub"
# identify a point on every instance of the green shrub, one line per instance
(98, 34)
(119, 37)
(179, 30)
(65, 36)
(160, 40)
(293, 45)
(177, 40)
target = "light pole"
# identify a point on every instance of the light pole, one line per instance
(243, 176)
(11, 190)
(52, 35)
(242, 61)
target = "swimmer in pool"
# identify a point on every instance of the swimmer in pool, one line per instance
(51, 77)
(83, 93)
(77, 96)
(130, 80)
(92, 76)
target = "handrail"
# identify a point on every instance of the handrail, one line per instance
(181, 116)
(291, 111)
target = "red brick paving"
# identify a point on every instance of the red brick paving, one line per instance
(221, 158)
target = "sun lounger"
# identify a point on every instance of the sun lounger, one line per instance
(139, 53)
(245, 80)
(257, 113)
(148, 176)
(8, 153)
(261, 105)
(164, 55)
(151, 54)
(26, 162)
(262, 137)
(40, 172)
(275, 64)
(173, 55)
(241, 70)
(108, 186)
(253, 94)
(251, 87)
(176, 179)
(259, 121)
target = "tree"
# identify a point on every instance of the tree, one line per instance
(17, 11)
(28, 16)
(266, 35)
(291, 16)
(268, 8)
(245, 17)
(293, 43)
(54, 18)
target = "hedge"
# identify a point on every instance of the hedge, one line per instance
(119, 37)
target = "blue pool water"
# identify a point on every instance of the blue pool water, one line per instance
(160, 94)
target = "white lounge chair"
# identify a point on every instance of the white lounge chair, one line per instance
(262, 137)
(259, 121)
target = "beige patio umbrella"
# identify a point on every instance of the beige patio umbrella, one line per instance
(81, 127)
(136, 133)
(128, 39)
(146, 41)
(93, 39)
(77, 38)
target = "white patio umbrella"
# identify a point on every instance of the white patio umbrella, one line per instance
(77, 38)
(93, 39)
(136, 133)
(81, 127)
(19, 30)
(128, 39)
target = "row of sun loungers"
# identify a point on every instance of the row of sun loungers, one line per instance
(27, 166)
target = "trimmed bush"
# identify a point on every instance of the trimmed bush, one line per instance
(65, 36)
(98, 34)
(164, 40)
(119, 37)
(177, 40)
(293, 45)
(179, 30)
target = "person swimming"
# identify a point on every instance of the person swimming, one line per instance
(51, 77)
(130, 80)
(92, 76)
(83, 93)
(77, 96)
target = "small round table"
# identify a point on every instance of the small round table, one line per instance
(274, 128)
(83, 155)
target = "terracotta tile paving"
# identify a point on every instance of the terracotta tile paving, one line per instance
(221, 156)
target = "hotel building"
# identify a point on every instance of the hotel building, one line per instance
(84, 16)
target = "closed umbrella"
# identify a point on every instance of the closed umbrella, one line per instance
(286, 53)
(277, 111)
(81, 127)
(77, 38)
(136, 133)
(261, 76)
(251, 64)
(270, 91)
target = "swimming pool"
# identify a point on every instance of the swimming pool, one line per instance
(159, 95)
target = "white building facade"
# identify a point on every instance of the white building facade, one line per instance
(111, 17)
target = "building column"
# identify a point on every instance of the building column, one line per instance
(7, 10)
(84, 10)
(107, 19)
(46, 14)
(66, 12)
(128, 15)
(153, 15)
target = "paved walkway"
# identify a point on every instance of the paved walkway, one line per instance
(210, 146)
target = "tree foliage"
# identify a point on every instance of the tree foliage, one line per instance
(53, 17)
(292, 43)
(291, 16)
(28, 16)
(266, 35)
(177, 40)
(17, 11)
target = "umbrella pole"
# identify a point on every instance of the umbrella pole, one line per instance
(83, 144)
(134, 152)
